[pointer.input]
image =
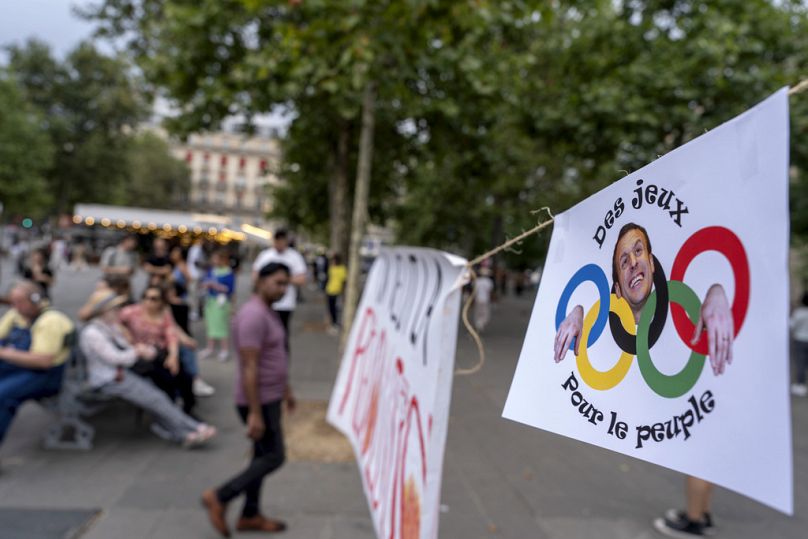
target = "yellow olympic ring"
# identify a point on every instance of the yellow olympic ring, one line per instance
(594, 378)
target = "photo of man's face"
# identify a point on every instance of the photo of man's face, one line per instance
(634, 269)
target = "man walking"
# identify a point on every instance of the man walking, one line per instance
(261, 387)
(283, 253)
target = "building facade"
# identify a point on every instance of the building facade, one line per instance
(231, 174)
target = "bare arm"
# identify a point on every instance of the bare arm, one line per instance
(184, 338)
(24, 358)
(249, 379)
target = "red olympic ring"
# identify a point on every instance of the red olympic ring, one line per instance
(723, 240)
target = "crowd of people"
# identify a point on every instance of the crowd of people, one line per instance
(136, 348)
(138, 345)
(139, 348)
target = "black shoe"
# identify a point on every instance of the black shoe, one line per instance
(682, 528)
(708, 528)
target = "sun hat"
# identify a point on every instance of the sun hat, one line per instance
(102, 301)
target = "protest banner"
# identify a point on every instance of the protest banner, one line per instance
(392, 393)
(702, 231)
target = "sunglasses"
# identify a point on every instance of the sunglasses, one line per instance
(152, 298)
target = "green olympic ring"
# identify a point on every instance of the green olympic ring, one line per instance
(676, 385)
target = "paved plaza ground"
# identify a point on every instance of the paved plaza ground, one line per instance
(501, 479)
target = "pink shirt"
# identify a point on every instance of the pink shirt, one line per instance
(159, 333)
(257, 326)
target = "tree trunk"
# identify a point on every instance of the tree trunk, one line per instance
(339, 203)
(360, 208)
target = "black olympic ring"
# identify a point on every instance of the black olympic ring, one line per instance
(628, 342)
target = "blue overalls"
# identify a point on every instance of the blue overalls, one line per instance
(19, 384)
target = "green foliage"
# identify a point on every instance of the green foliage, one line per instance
(155, 179)
(88, 102)
(25, 155)
(486, 109)
(602, 89)
(76, 138)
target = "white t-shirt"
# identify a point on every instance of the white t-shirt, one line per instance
(296, 264)
(194, 256)
(484, 286)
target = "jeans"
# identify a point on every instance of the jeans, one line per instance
(188, 361)
(18, 384)
(268, 456)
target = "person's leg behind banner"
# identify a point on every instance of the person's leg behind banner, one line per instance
(696, 520)
(799, 389)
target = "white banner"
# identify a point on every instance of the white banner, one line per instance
(701, 233)
(393, 390)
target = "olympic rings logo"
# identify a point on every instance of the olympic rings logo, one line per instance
(684, 309)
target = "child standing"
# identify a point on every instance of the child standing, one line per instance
(220, 285)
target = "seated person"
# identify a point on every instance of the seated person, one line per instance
(112, 283)
(109, 353)
(34, 344)
(150, 323)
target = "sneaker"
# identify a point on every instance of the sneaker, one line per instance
(682, 528)
(206, 353)
(202, 388)
(708, 526)
(223, 356)
(332, 330)
(799, 390)
(200, 437)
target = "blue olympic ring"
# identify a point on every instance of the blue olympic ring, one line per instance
(594, 274)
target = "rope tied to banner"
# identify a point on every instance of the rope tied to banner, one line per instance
(800, 87)
(473, 277)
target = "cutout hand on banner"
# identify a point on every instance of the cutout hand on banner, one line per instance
(636, 303)
(700, 240)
